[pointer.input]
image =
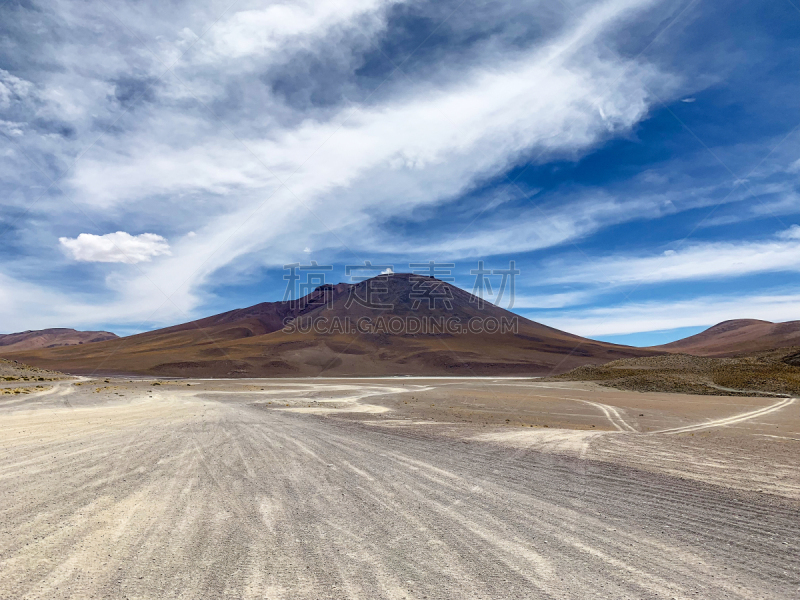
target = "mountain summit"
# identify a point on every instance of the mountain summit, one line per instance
(398, 324)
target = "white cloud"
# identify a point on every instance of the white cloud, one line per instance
(12, 127)
(793, 233)
(12, 88)
(435, 142)
(659, 316)
(425, 141)
(698, 261)
(28, 305)
(532, 230)
(264, 30)
(556, 300)
(119, 247)
(383, 159)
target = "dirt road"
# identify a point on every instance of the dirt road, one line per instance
(149, 492)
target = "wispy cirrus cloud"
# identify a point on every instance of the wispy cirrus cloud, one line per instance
(423, 147)
(793, 233)
(635, 317)
(259, 31)
(710, 260)
(248, 134)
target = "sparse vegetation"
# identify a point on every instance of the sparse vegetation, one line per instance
(11, 370)
(773, 372)
(25, 390)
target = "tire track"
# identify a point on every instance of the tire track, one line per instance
(612, 414)
(201, 499)
(731, 420)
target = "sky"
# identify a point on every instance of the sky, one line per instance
(637, 160)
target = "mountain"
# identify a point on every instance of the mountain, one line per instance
(50, 338)
(736, 337)
(400, 324)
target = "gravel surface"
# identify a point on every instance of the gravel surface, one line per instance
(158, 494)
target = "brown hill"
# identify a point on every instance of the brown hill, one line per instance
(730, 338)
(50, 338)
(422, 328)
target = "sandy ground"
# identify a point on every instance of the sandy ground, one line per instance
(395, 488)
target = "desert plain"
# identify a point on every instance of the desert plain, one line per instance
(404, 487)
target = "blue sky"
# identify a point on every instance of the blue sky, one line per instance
(637, 159)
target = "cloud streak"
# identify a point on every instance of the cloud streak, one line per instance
(517, 130)
(696, 261)
(659, 316)
(424, 147)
